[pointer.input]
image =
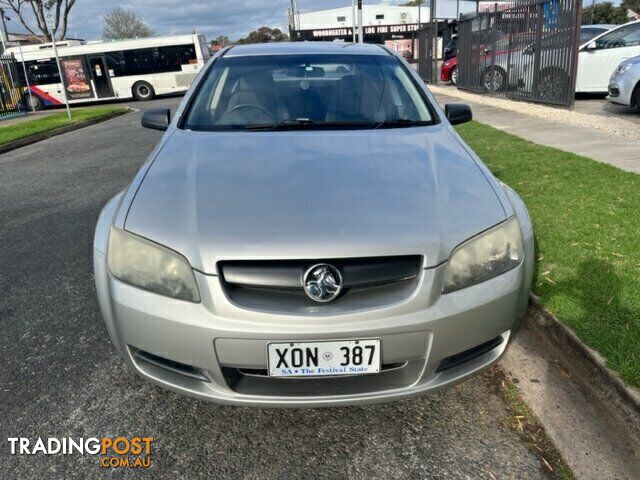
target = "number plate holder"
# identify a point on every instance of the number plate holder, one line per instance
(322, 359)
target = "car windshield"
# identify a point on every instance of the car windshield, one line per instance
(307, 91)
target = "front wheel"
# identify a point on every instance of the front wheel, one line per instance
(33, 102)
(143, 91)
(494, 79)
(552, 84)
(454, 76)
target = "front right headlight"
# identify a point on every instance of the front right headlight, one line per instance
(622, 69)
(145, 264)
(484, 256)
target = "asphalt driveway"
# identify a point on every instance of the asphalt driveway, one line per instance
(60, 377)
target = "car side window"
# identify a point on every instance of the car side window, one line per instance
(627, 36)
(587, 34)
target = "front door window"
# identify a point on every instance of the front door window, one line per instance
(627, 36)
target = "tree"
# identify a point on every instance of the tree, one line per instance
(631, 5)
(221, 41)
(412, 3)
(264, 35)
(33, 15)
(605, 12)
(120, 24)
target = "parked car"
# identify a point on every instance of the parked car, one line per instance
(624, 86)
(492, 67)
(588, 32)
(601, 56)
(449, 71)
(553, 76)
(451, 49)
(518, 50)
(311, 231)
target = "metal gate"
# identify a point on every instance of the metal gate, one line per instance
(425, 55)
(527, 50)
(11, 98)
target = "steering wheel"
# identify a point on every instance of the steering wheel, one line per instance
(245, 106)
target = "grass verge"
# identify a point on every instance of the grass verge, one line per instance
(18, 131)
(587, 225)
(521, 419)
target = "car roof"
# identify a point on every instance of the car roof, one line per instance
(292, 48)
(600, 26)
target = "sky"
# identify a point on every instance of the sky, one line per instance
(233, 18)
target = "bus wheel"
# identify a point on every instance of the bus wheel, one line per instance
(33, 102)
(143, 91)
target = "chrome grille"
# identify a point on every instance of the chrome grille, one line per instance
(277, 284)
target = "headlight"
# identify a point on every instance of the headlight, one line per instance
(148, 265)
(622, 68)
(489, 254)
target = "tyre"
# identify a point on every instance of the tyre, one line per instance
(454, 76)
(143, 91)
(635, 99)
(552, 84)
(33, 102)
(494, 79)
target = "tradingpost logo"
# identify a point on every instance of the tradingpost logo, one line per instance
(119, 452)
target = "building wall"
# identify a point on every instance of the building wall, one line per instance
(383, 14)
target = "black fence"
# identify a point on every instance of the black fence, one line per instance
(427, 40)
(11, 97)
(526, 50)
(425, 54)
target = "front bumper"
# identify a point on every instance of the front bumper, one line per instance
(621, 89)
(445, 74)
(221, 341)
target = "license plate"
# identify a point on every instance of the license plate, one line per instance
(317, 359)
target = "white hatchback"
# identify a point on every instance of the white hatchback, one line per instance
(598, 59)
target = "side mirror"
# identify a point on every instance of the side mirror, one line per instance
(156, 119)
(458, 113)
(591, 46)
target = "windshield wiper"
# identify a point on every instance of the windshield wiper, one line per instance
(291, 124)
(284, 124)
(399, 122)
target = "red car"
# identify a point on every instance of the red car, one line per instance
(449, 71)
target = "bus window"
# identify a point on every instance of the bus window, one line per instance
(166, 59)
(43, 72)
(115, 63)
(187, 54)
(138, 62)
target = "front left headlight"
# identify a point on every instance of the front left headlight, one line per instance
(145, 264)
(484, 256)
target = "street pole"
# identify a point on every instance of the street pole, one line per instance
(360, 30)
(353, 20)
(24, 68)
(5, 38)
(55, 52)
(293, 15)
(434, 42)
(5, 35)
(419, 49)
(26, 79)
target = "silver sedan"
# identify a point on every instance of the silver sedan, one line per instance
(624, 86)
(312, 231)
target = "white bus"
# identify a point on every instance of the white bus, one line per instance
(96, 71)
